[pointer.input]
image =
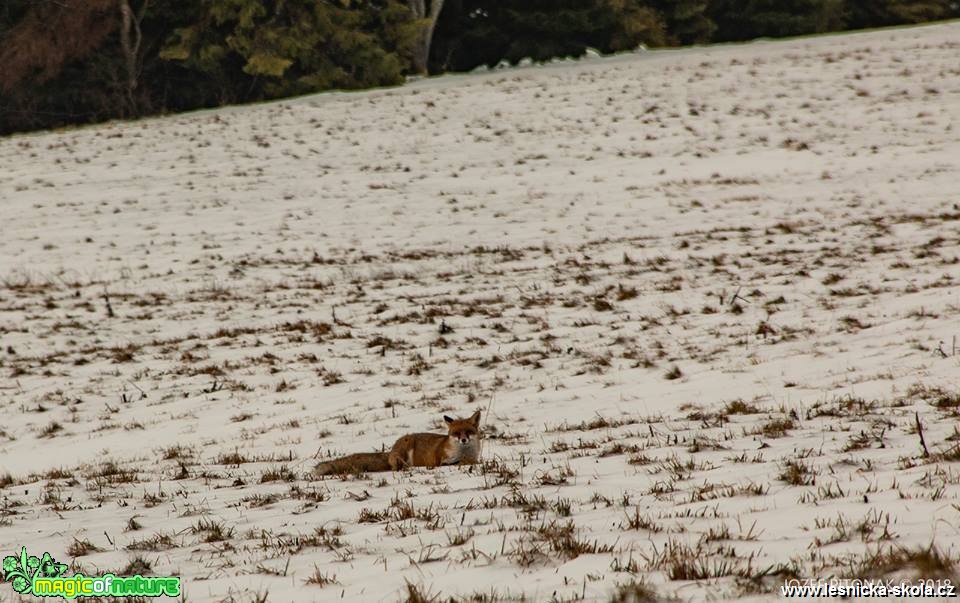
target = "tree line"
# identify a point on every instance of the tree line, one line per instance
(68, 62)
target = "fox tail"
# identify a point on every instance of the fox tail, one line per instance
(362, 462)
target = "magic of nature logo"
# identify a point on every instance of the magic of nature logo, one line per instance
(43, 577)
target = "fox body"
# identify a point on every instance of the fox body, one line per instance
(460, 445)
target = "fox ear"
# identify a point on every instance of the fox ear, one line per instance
(475, 418)
(447, 419)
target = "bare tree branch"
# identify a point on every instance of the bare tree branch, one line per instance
(421, 11)
(130, 39)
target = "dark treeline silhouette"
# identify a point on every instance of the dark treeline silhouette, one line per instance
(68, 62)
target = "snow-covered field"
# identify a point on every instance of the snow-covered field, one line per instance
(701, 297)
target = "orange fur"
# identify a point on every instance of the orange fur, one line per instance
(460, 445)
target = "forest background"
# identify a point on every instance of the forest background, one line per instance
(65, 62)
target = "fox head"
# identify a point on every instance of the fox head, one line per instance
(464, 432)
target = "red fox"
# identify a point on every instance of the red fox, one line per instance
(461, 445)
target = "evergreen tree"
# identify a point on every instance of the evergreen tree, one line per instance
(293, 46)
(687, 21)
(748, 19)
(478, 32)
(877, 13)
(467, 35)
(11, 12)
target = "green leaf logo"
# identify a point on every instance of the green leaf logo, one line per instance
(10, 563)
(20, 571)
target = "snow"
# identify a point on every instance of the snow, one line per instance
(778, 221)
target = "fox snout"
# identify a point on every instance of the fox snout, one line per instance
(463, 440)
